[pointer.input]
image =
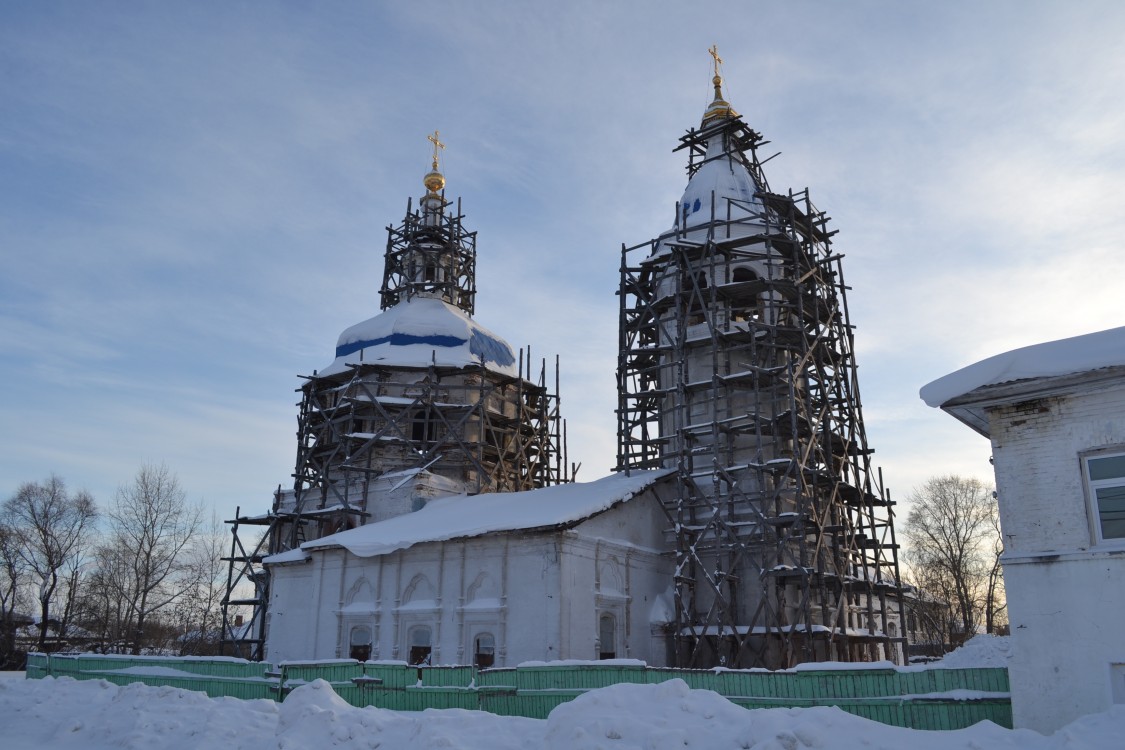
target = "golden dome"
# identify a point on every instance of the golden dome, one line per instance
(719, 107)
(434, 181)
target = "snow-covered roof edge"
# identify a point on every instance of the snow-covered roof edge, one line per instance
(466, 516)
(1091, 351)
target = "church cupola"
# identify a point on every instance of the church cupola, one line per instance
(433, 204)
(723, 184)
(431, 255)
(719, 108)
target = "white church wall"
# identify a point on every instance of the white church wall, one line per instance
(289, 618)
(612, 569)
(454, 591)
(1065, 599)
(533, 596)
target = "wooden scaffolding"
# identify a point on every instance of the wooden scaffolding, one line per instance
(736, 369)
(366, 431)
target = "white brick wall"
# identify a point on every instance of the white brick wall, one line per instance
(1066, 595)
(1036, 446)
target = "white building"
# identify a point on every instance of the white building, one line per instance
(564, 572)
(1055, 414)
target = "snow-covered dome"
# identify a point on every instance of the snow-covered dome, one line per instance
(726, 178)
(420, 330)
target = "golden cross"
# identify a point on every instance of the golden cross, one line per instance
(437, 145)
(715, 54)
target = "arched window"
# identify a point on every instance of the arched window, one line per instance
(484, 651)
(359, 642)
(607, 636)
(746, 305)
(420, 645)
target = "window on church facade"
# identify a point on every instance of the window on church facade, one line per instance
(607, 637)
(423, 428)
(747, 306)
(484, 651)
(1105, 475)
(359, 641)
(420, 645)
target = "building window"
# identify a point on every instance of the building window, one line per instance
(420, 645)
(484, 651)
(359, 642)
(746, 307)
(607, 636)
(423, 427)
(1106, 475)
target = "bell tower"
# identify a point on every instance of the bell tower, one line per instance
(736, 371)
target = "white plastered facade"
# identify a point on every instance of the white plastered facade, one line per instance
(536, 594)
(1065, 583)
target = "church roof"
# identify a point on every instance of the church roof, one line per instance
(418, 331)
(721, 188)
(463, 516)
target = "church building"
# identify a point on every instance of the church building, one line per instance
(433, 519)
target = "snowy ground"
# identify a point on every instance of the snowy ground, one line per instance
(65, 714)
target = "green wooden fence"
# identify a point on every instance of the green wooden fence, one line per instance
(905, 697)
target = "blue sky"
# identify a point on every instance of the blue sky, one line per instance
(194, 198)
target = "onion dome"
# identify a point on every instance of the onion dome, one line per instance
(434, 180)
(719, 107)
(420, 331)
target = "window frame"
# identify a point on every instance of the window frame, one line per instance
(479, 650)
(354, 647)
(419, 628)
(1092, 486)
(603, 652)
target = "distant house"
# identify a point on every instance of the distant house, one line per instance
(1055, 413)
(929, 624)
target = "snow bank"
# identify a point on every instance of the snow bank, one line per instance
(979, 651)
(64, 714)
(1063, 357)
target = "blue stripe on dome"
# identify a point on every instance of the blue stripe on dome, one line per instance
(491, 350)
(403, 339)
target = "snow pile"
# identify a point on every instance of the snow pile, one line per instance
(63, 714)
(1063, 357)
(979, 651)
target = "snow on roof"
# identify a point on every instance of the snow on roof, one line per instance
(723, 181)
(473, 515)
(1092, 351)
(724, 177)
(420, 330)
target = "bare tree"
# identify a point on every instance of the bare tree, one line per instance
(996, 601)
(12, 571)
(199, 612)
(151, 528)
(51, 527)
(953, 547)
